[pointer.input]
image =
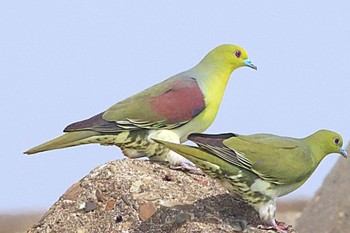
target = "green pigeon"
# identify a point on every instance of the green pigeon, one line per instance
(260, 167)
(185, 103)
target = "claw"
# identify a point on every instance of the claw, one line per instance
(280, 227)
(187, 167)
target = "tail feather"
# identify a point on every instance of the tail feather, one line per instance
(66, 140)
(210, 163)
(194, 154)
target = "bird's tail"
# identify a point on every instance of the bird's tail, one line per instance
(199, 156)
(67, 140)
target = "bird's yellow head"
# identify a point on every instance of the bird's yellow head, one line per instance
(228, 54)
(332, 142)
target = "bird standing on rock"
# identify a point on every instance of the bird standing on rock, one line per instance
(185, 103)
(260, 167)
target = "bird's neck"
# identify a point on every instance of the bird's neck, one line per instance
(213, 76)
(212, 80)
(317, 149)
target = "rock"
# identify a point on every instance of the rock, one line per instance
(144, 196)
(329, 210)
(73, 192)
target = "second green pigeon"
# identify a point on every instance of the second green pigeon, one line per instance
(260, 167)
(185, 103)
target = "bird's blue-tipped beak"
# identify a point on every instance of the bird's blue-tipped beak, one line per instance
(250, 64)
(343, 152)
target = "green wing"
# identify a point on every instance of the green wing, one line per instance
(166, 105)
(277, 159)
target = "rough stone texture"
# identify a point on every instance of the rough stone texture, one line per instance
(329, 210)
(143, 196)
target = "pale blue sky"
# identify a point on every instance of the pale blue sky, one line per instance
(63, 61)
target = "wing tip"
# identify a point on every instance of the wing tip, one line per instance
(196, 136)
(95, 123)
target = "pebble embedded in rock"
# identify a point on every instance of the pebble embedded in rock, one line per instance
(167, 178)
(181, 218)
(119, 218)
(239, 224)
(144, 227)
(110, 205)
(99, 195)
(136, 187)
(90, 206)
(147, 210)
(126, 200)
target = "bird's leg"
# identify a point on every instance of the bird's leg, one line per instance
(267, 214)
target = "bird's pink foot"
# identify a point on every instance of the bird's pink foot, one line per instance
(280, 227)
(187, 167)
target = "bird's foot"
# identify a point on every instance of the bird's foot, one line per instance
(132, 153)
(187, 167)
(280, 227)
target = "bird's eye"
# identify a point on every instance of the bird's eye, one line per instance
(336, 141)
(238, 53)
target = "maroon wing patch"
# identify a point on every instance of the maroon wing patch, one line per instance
(181, 103)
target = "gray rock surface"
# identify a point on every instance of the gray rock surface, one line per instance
(143, 196)
(329, 210)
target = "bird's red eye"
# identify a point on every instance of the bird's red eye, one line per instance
(336, 141)
(238, 53)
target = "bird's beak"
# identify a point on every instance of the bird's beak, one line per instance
(250, 64)
(343, 153)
